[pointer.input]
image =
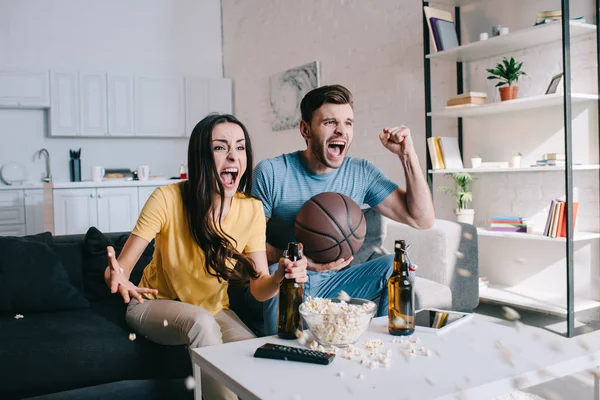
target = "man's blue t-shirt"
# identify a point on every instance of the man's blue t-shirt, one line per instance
(284, 184)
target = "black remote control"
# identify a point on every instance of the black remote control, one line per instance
(280, 352)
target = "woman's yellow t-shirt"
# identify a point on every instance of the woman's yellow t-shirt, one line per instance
(177, 269)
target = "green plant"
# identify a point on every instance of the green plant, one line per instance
(462, 190)
(507, 72)
(517, 154)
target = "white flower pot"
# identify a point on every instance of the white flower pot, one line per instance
(515, 161)
(475, 162)
(466, 215)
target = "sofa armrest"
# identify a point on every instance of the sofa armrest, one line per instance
(446, 253)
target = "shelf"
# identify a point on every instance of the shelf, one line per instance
(545, 302)
(526, 103)
(455, 3)
(517, 40)
(579, 236)
(524, 169)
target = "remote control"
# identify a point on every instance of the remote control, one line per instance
(280, 352)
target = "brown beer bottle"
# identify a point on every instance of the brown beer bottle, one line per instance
(401, 306)
(291, 295)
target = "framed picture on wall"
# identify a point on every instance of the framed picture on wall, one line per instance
(555, 85)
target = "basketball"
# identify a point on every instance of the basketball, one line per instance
(330, 226)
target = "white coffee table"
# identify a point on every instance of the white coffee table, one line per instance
(467, 360)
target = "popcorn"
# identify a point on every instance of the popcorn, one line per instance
(511, 314)
(132, 336)
(165, 323)
(314, 345)
(321, 349)
(340, 374)
(336, 322)
(190, 383)
(19, 316)
(333, 349)
(360, 376)
(344, 296)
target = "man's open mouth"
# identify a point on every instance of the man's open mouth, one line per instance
(336, 148)
(229, 176)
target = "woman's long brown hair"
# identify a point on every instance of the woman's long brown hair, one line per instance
(198, 193)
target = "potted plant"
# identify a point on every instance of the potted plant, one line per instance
(508, 73)
(515, 161)
(475, 161)
(463, 194)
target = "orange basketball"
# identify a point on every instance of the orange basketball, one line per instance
(330, 226)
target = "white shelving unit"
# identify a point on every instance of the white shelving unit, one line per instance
(578, 237)
(545, 302)
(511, 106)
(517, 40)
(455, 3)
(515, 170)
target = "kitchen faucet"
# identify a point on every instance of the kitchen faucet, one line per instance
(39, 154)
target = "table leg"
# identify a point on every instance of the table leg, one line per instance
(198, 387)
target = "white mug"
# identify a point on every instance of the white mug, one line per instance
(503, 31)
(483, 36)
(143, 172)
(97, 173)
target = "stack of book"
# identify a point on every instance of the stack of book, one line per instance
(483, 282)
(556, 223)
(544, 17)
(508, 224)
(467, 99)
(444, 153)
(551, 160)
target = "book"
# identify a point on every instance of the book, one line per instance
(451, 152)
(507, 229)
(554, 156)
(444, 34)
(563, 231)
(469, 94)
(465, 100)
(435, 161)
(438, 151)
(431, 12)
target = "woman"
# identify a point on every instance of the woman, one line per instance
(203, 228)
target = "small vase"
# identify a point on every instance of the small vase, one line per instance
(475, 162)
(465, 215)
(515, 161)
(508, 92)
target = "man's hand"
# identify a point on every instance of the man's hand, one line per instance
(332, 266)
(118, 282)
(398, 140)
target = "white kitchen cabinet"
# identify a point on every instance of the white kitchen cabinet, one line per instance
(92, 104)
(159, 105)
(117, 209)
(12, 230)
(120, 105)
(64, 103)
(220, 95)
(144, 193)
(204, 96)
(75, 210)
(34, 211)
(22, 88)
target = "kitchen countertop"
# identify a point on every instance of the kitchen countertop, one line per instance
(90, 184)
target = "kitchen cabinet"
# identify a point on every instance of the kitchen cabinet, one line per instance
(109, 209)
(120, 105)
(34, 211)
(21, 212)
(23, 88)
(117, 209)
(159, 106)
(92, 104)
(64, 103)
(75, 210)
(204, 96)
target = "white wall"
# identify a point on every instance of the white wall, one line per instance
(167, 37)
(373, 48)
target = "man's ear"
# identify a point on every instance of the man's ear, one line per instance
(304, 129)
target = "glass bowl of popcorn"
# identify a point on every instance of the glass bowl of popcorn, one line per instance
(336, 322)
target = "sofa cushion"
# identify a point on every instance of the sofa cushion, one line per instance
(33, 279)
(95, 261)
(71, 256)
(51, 352)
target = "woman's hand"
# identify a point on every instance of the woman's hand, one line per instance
(294, 269)
(117, 281)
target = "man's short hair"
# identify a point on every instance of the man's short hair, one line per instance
(313, 100)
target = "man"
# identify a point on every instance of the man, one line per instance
(285, 182)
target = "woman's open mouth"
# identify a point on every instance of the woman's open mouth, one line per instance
(229, 177)
(336, 148)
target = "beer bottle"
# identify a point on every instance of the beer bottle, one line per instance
(401, 306)
(291, 296)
